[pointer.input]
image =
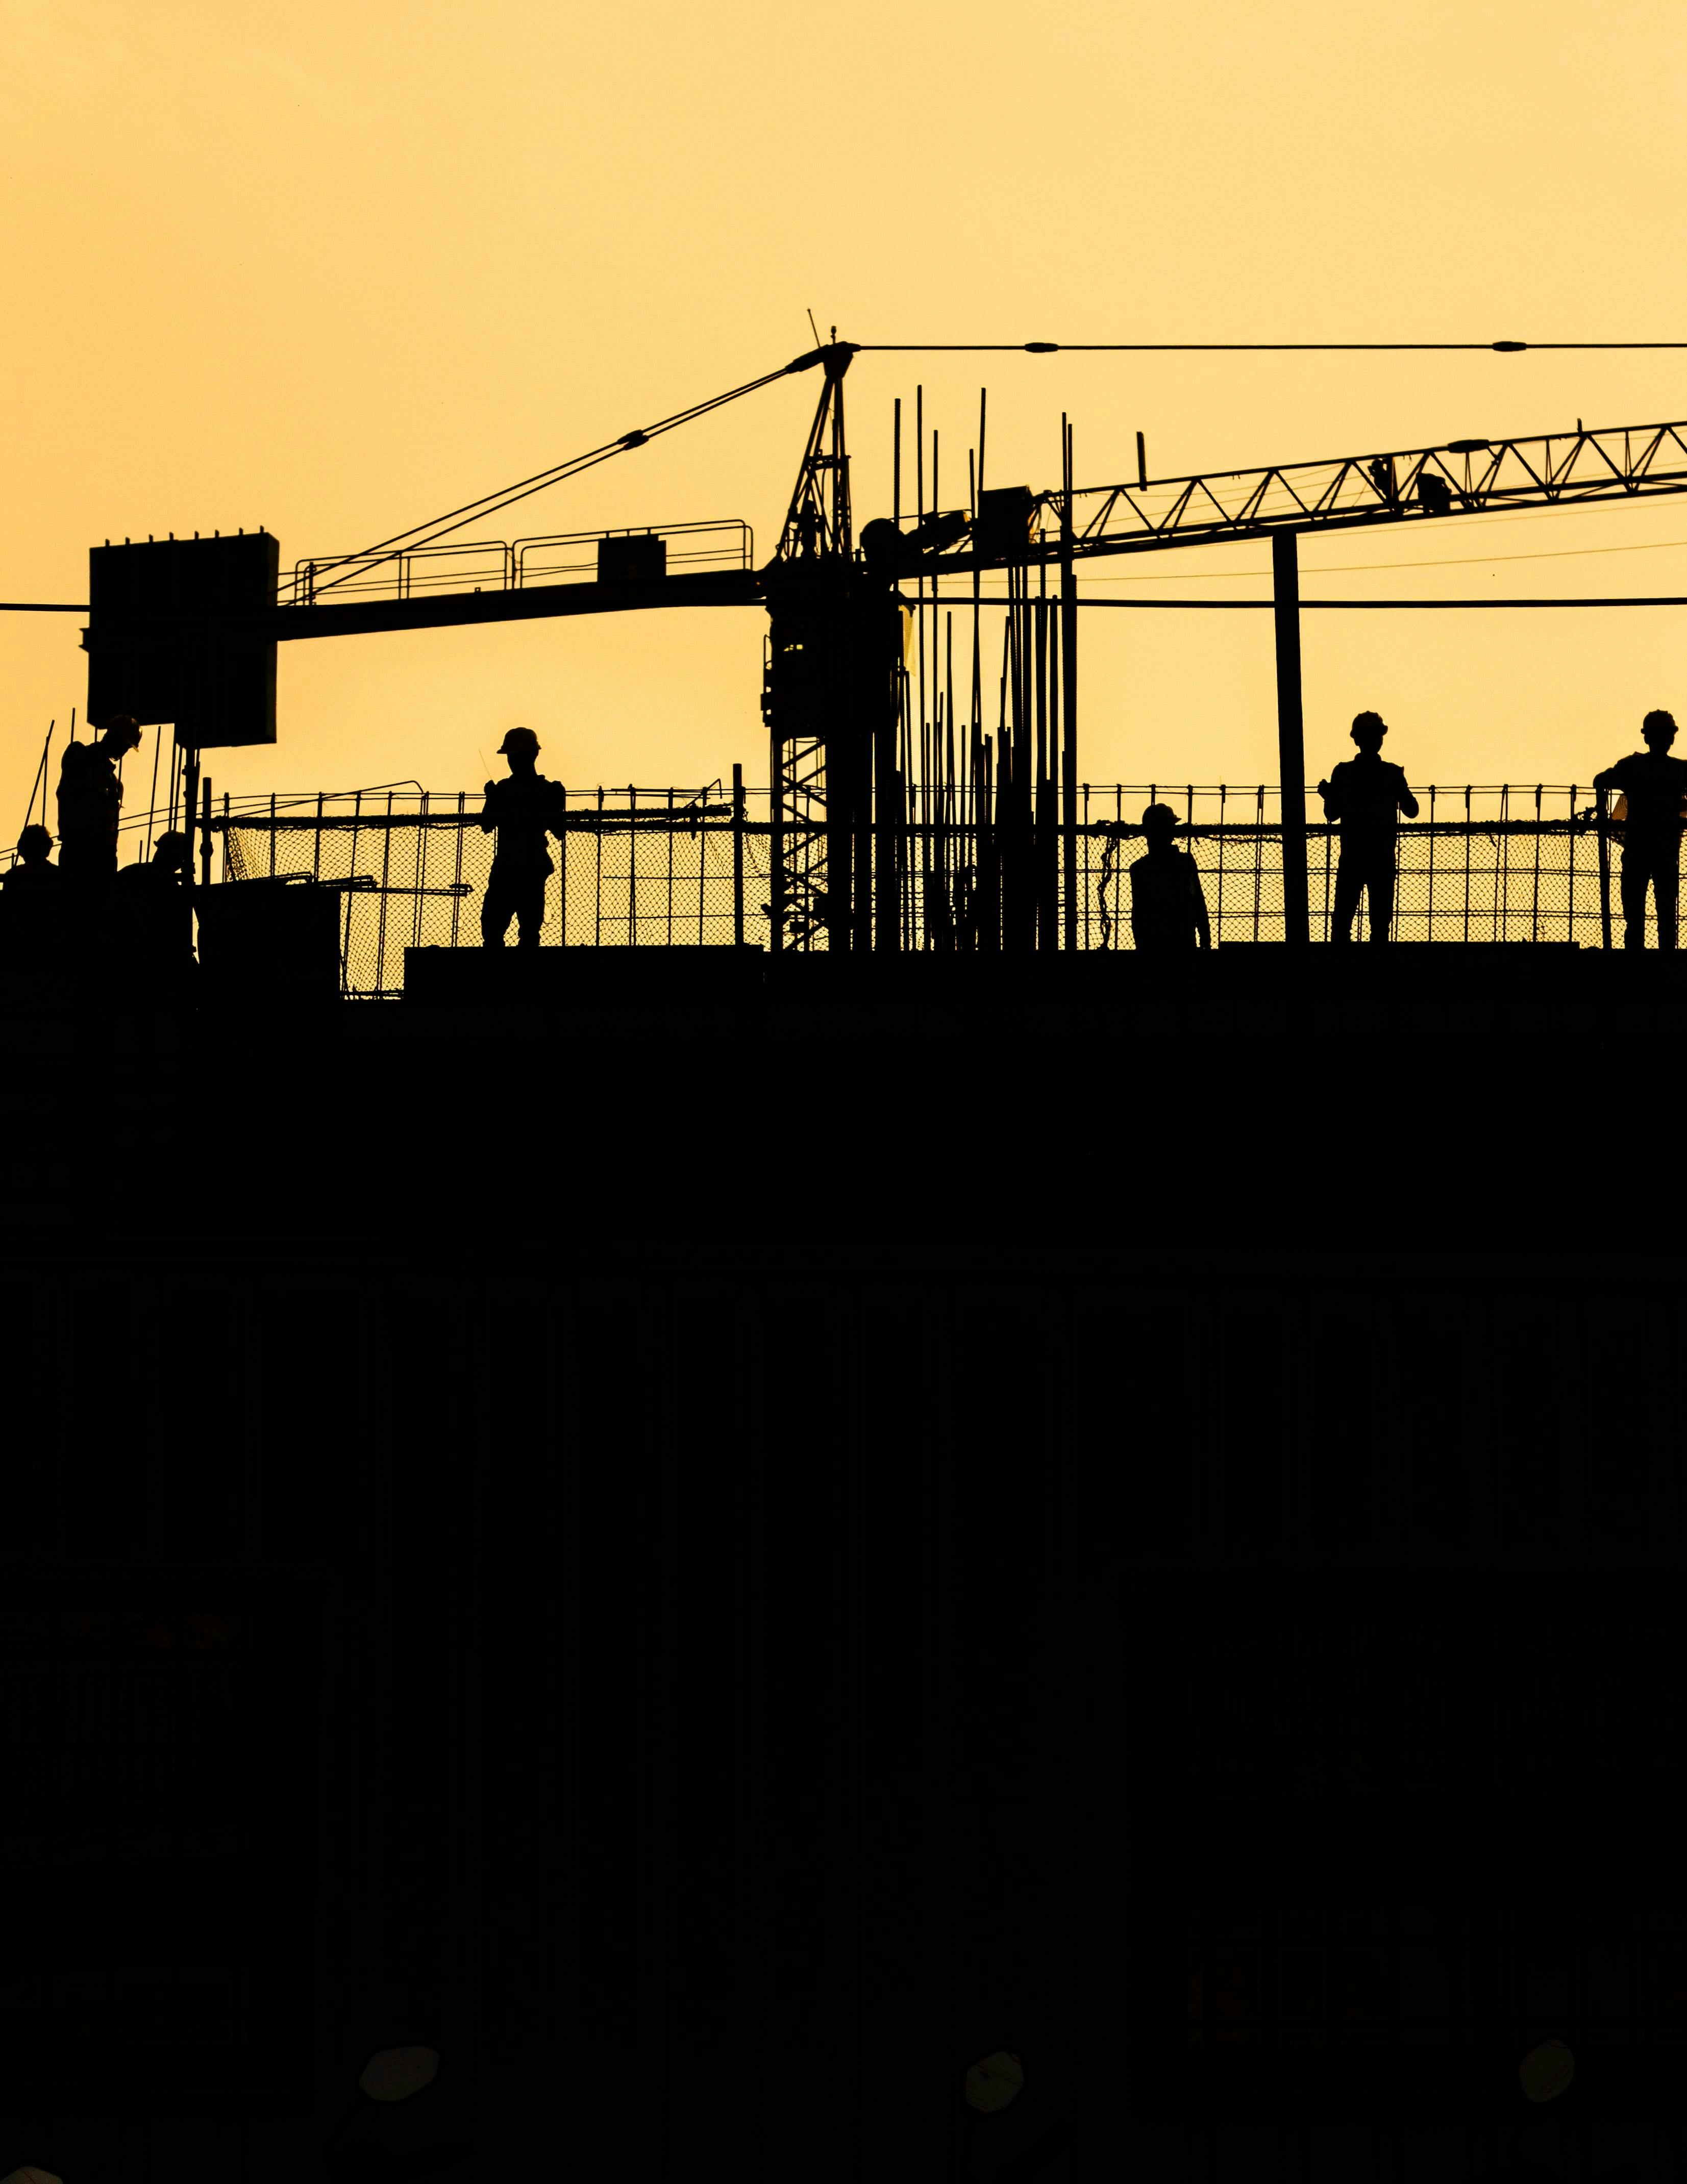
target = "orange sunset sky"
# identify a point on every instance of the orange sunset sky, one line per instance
(331, 269)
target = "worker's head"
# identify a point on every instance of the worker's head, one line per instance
(520, 743)
(35, 845)
(173, 852)
(1368, 731)
(121, 735)
(1159, 824)
(1659, 731)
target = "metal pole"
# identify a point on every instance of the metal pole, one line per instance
(190, 797)
(737, 856)
(1069, 696)
(1291, 737)
(1604, 875)
(205, 832)
(886, 907)
(776, 849)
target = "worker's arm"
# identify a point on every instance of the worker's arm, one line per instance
(1196, 889)
(488, 818)
(1608, 779)
(1408, 802)
(1332, 800)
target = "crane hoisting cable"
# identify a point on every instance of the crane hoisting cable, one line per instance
(440, 527)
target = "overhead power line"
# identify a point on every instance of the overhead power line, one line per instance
(1356, 606)
(1233, 349)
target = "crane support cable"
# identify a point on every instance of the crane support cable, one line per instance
(1232, 348)
(440, 527)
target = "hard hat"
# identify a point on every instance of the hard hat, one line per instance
(519, 739)
(172, 843)
(127, 725)
(1159, 815)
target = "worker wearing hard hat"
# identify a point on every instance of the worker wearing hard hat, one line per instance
(154, 928)
(1654, 786)
(521, 812)
(1367, 796)
(1168, 909)
(90, 799)
(34, 897)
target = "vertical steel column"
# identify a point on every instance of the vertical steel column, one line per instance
(886, 813)
(775, 843)
(1291, 737)
(190, 797)
(1069, 694)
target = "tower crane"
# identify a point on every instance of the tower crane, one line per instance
(185, 631)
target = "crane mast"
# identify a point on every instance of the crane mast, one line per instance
(831, 698)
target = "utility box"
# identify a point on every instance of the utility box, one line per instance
(641, 558)
(177, 633)
(270, 937)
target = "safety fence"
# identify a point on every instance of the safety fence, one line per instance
(669, 868)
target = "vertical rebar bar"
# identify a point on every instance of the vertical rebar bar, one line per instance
(1069, 687)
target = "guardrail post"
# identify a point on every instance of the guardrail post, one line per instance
(737, 856)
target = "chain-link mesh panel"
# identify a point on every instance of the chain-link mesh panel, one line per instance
(644, 868)
(636, 871)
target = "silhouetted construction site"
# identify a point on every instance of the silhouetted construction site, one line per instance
(832, 1513)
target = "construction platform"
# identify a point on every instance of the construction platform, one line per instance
(1514, 1070)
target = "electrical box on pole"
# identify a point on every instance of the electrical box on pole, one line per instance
(180, 630)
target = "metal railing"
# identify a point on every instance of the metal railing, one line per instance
(492, 565)
(638, 867)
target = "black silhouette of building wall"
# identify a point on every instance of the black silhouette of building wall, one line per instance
(767, 1651)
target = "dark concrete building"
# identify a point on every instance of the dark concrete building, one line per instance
(719, 1552)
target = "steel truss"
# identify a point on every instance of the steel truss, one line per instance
(1466, 477)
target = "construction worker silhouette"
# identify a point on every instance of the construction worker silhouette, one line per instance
(1168, 909)
(1653, 785)
(34, 897)
(90, 799)
(521, 810)
(34, 873)
(155, 934)
(1366, 795)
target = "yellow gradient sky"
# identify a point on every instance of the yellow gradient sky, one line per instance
(331, 268)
